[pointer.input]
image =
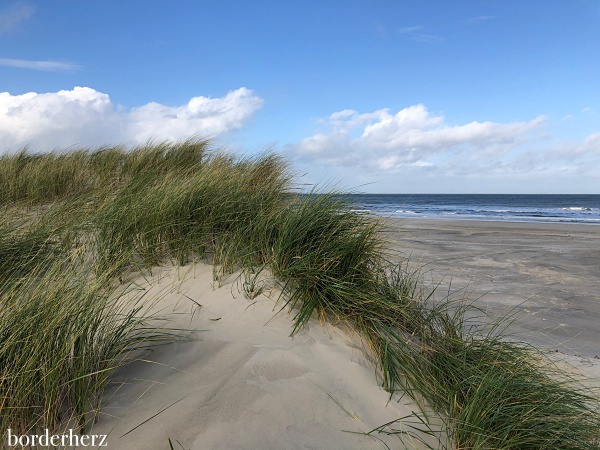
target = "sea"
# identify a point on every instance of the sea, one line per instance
(582, 209)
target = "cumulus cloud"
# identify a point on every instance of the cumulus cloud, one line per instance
(85, 117)
(386, 142)
(13, 16)
(47, 66)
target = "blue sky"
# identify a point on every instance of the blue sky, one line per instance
(380, 96)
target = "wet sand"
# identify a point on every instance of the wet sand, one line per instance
(549, 272)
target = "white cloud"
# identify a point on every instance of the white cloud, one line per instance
(86, 117)
(47, 66)
(13, 16)
(413, 150)
(558, 158)
(386, 142)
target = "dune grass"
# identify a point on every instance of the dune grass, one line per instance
(62, 331)
(489, 391)
(75, 222)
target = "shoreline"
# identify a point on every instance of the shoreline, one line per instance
(508, 223)
(545, 272)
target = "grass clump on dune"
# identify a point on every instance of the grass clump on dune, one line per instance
(92, 215)
(63, 249)
(489, 392)
(62, 331)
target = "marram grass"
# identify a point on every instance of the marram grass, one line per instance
(73, 222)
(62, 331)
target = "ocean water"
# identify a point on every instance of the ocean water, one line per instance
(583, 209)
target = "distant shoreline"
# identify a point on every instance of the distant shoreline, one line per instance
(486, 223)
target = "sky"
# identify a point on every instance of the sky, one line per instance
(374, 96)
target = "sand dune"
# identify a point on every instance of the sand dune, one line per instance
(242, 382)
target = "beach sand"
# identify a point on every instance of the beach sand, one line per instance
(242, 382)
(549, 274)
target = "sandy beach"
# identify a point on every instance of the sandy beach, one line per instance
(549, 272)
(241, 381)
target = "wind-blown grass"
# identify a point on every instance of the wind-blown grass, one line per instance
(489, 391)
(22, 248)
(61, 334)
(76, 221)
